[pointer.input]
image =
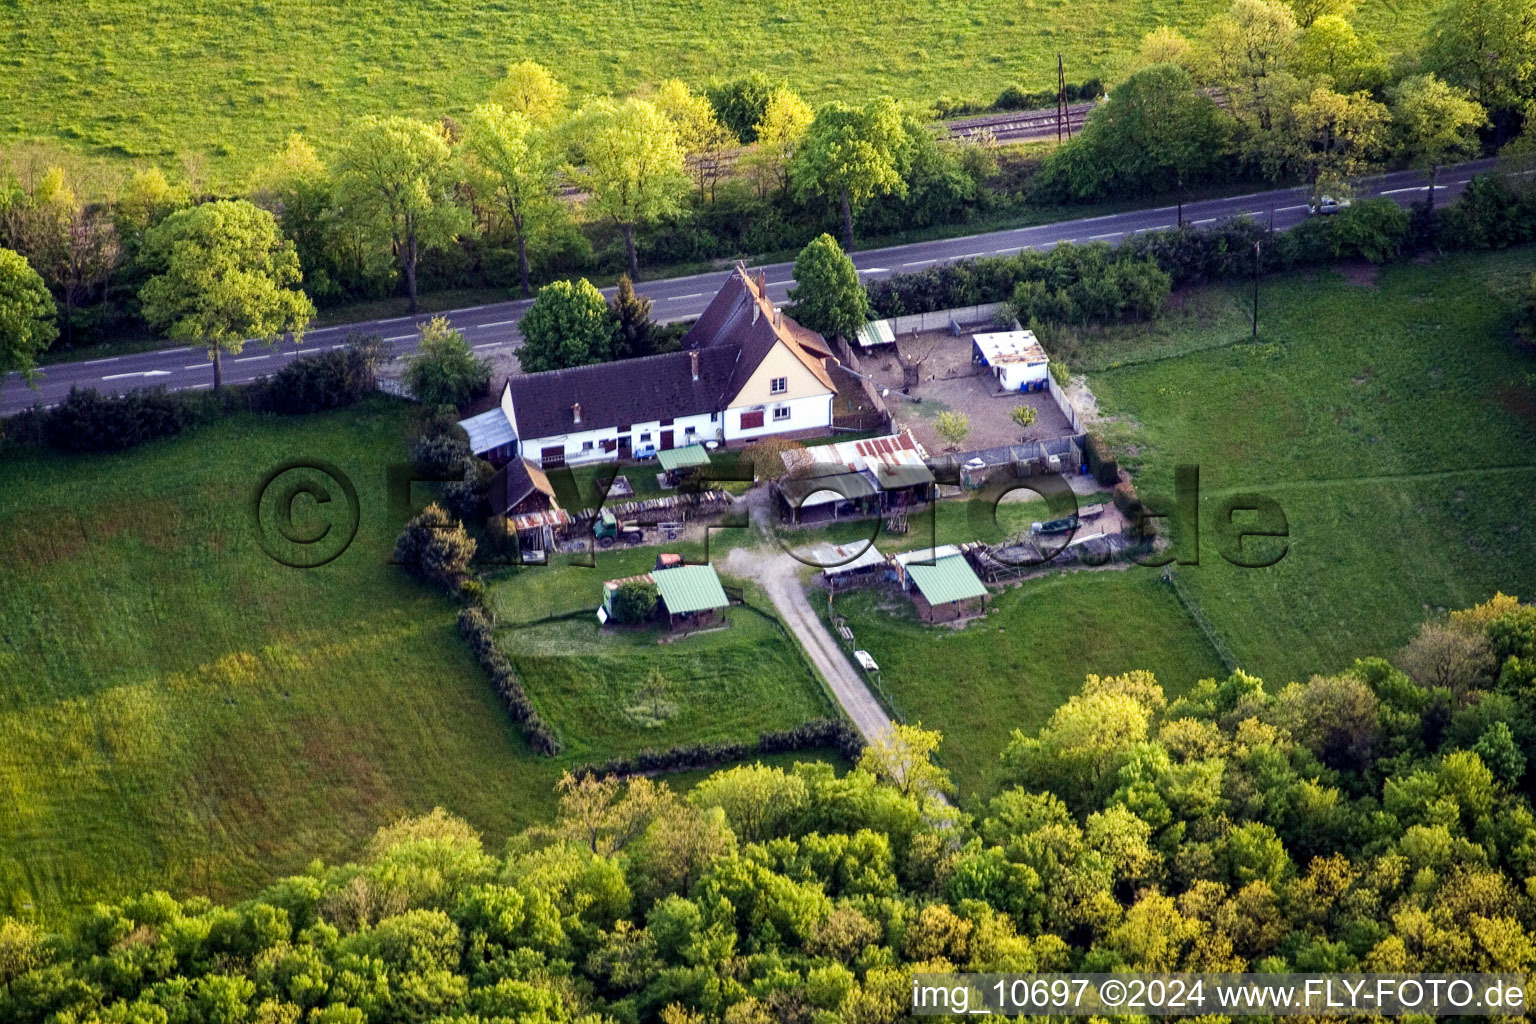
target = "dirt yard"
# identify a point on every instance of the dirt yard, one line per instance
(950, 381)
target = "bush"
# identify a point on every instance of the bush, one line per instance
(444, 370)
(817, 734)
(765, 458)
(463, 497)
(435, 547)
(87, 421)
(475, 627)
(324, 380)
(634, 602)
(1105, 470)
(1372, 229)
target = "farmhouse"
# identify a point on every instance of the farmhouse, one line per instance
(852, 478)
(746, 371)
(688, 596)
(942, 583)
(1014, 357)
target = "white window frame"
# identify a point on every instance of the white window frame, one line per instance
(778, 386)
(782, 413)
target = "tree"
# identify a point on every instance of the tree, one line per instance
(1156, 134)
(146, 200)
(786, 119)
(26, 316)
(741, 103)
(701, 134)
(531, 90)
(435, 547)
(953, 427)
(569, 324)
(634, 332)
(72, 244)
(828, 296)
(1436, 123)
(223, 274)
(1309, 12)
(1485, 46)
(1334, 137)
(401, 172)
(444, 370)
(903, 755)
(1330, 46)
(652, 708)
(1025, 416)
(851, 154)
(633, 166)
(1449, 656)
(1249, 48)
(1165, 45)
(517, 170)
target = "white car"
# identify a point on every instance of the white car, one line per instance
(1327, 204)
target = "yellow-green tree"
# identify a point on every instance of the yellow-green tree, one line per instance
(633, 166)
(852, 154)
(700, 133)
(779, 135)
(512, 161)
(26, 316)
(401, 171)
(532, 90)
(1435, 123)
(223, 274)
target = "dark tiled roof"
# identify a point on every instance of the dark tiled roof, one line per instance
(624, 392)
(512, 485)
(742, 314)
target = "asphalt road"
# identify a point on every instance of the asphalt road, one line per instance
(494, 326)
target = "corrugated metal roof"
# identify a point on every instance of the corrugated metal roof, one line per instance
(876, 332)
(837, 559)
(948, 580)
(488, 430)
(683, 458)
(690, 588)
(1010, 347)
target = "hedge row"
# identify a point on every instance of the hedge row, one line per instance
(476, 629)
(818, 734)
(88, 421)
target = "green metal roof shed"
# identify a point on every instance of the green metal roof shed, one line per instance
(689, 588)
(947, 580)
(673, 459)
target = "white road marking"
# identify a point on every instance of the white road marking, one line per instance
(1110, 234)
(1395, 191)
(499, 323)
(679, 298)
(250, 359)
(971, 255)
(876, 270)
(919, 263)
(93, 362)
(1208, 220)
(400, 337)
(141, 373)
(1011, 248)
(1063, 241)
(196, 366)
(776, 284)
(491, 344)
(1284, 209)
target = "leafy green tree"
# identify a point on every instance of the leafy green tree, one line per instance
(785, 121)
(530, 89)
(633, 166)
(146, 200)
(851, 154)
(702, 136)
(26, 316)
(1248, 50)
(1165, 45)
(569, 324)
(1436, 123)
(634, 332)
(828, 296)
(516, 167)
(400, 172)
(741, 103)
(1330, 46)
(758, 800)
(1024, 416)
(1334, 137)
(1310, 12)
(903, 756)
(1485, 46)
(634, 602)
(223, 274)
(954, 427)
(72, 244)
(444, 370)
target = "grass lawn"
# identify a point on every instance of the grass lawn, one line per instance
(725, 684)
(1392, 420)
(222, 83)
(1030, 653)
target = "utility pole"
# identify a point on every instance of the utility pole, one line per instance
(1061, 98)
(1256, 254)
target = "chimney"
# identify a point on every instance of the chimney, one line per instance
(576, 412)
(693, 361)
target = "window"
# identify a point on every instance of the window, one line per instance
(645, 436)
(586, 446)
(752, 420)
(779, 385)
(714, 416)
(690, 431)
(780, 413)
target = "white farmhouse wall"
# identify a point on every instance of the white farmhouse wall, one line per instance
(812, 412)
(576, 452)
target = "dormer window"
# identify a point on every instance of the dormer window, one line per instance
(779, 386)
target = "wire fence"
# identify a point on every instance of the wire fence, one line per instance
(1192, 606)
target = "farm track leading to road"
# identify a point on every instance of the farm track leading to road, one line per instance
(494, 326)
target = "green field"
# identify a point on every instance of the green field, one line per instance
(1394, 422)
(223, 82)
(1011, 669)
(179, 711)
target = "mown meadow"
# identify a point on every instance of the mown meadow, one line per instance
(220, 84)
(179, 711)
(1391, 416)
